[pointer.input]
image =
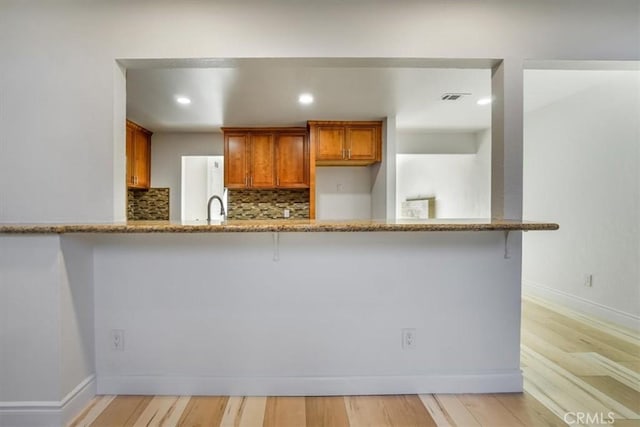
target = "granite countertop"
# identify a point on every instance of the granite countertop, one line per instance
(234, 226)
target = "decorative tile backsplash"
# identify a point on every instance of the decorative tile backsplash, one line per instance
(148, 205)
(268, 204)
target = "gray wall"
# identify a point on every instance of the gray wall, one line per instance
(167, 150)
(453, 167)
(582, 163)
(220, 316)
(343, 192)
(413, 142)
(61, 116)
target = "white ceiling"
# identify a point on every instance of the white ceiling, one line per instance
(265, 92)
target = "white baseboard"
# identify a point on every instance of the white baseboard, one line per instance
(48, 413)
(494, 382)
(582, 305)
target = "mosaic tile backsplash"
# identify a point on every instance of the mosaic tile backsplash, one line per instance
(148, 205)
(268, 204)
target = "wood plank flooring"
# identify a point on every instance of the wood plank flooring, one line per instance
(571, 363)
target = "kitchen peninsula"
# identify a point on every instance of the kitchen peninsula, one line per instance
(287, 307)
(235, 226)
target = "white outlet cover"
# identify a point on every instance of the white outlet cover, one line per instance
(408, 338)
(117, 339)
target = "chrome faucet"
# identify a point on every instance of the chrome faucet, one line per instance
(209, 208)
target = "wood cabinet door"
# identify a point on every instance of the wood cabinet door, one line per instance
(236, 160)
(130, 155)
(142, 159)
(362, 143)
(292, 161)
(263, 174)
(330, 142)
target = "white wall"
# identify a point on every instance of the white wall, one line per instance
(47, 359)
(30, 328)
(481, 198)
(76, 314)
(167, 150)
(421, 142)
(460, 182)
(58, 88)
(581, 170)
(383, 174)
(343, 192)
(214, 314)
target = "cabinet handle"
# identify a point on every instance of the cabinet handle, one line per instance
(343, 150)
(349, 153)
(278, 181)
(246, 181)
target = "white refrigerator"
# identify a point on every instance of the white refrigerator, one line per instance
(202, 177)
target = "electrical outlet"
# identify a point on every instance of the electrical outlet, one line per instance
(117, 339)
(409, 339)
(286, 213)
(588, 280)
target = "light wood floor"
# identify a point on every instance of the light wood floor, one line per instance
(571, 364)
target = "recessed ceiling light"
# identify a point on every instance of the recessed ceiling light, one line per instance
(305, 98)
(485, 101)
(183, 100)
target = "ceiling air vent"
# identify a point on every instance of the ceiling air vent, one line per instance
(453, 96)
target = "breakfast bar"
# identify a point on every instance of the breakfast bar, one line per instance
(256, 226)
(279, 307)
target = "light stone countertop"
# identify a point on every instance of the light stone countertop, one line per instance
(250, 226)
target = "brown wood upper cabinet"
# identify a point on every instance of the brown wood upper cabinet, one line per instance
(263, 158)
(138, 156)
(346, 143)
